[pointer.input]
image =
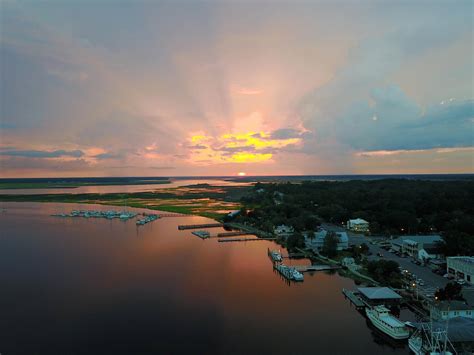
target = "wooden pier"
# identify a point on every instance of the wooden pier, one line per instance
(243, 239)
(199, 226)
(355, 300)
(307, 268)
(232, 234)
(173, 215)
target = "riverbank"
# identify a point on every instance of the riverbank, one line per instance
(202, 200)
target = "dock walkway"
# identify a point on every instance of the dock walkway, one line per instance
(199, 226)
(306, 268)
(355, 300)
(243, 239)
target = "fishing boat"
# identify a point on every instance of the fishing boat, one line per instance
(289, 272)
(384, 321)
(275, 255)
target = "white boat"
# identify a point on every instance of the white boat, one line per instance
(297, 276)
(384, 321)
(289, 272)
(275, 255)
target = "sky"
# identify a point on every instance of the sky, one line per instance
(175, 88)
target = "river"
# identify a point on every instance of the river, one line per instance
(97, 286)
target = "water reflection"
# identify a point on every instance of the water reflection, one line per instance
(121, 188)
(82, 286)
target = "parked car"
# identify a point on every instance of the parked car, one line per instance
(461, 282)
(380, 255)
(446, 276)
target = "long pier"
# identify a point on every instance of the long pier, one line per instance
(243, 239)
(306, 268)
(232, 234)
(199, 226)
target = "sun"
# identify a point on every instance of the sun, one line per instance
(241, 174)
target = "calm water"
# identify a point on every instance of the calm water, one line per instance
(121, 188)
(95, 286)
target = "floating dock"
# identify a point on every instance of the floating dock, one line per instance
(202, 234)
(198, 226)
(354, 298)
(243, 239)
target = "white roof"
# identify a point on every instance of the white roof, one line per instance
(379, 293)
(358, 221)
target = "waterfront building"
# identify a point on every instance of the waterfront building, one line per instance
(444, 310)
(417, 246)
(284, 230)
(379, 295)
(316, 240)
(358, 225)
(461, 267)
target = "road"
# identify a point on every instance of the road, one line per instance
(431, 280)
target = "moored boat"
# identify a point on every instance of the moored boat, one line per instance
(384, 321)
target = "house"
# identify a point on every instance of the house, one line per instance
(461, 267)
(420, 247)
(316, 240)
(348, 262)
(379, 295)
(358, 225)
(445, 310)
(284, 230)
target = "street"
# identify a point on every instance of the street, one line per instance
(431, 280)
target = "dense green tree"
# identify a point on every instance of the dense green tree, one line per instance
(330, 245)
(452, 291)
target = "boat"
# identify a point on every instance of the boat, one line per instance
(289, 272)
(384, 321)
(275, 255)
(201, 234)
(431, 339)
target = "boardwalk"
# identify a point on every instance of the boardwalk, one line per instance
(199, 226)
(306, 268)
(232, 234)
(243, 239)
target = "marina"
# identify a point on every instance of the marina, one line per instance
(109, 214)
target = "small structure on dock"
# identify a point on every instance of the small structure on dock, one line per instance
(201, 234)
(379, 295)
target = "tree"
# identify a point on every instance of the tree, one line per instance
(296, 240)
(452, 291)
(330, 244)
(385, 271)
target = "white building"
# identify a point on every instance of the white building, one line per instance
(461, 267)
(316, 241)
(445, 310)
(417, 246)
(348, 262)
(283, 230)
(358, 225)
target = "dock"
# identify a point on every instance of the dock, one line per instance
(199, 226)
(232, 234)
(306, 268)
(201, 234)
(354, 298)
(243, 239)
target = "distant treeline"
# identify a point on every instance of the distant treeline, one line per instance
(392, 206)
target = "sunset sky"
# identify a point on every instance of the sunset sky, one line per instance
(154, 88)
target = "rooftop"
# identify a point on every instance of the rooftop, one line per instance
(425, 239)
(453, 306)
(465, 259)
(358, 221)
(379, 293)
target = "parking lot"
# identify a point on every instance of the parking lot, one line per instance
(431, 281)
